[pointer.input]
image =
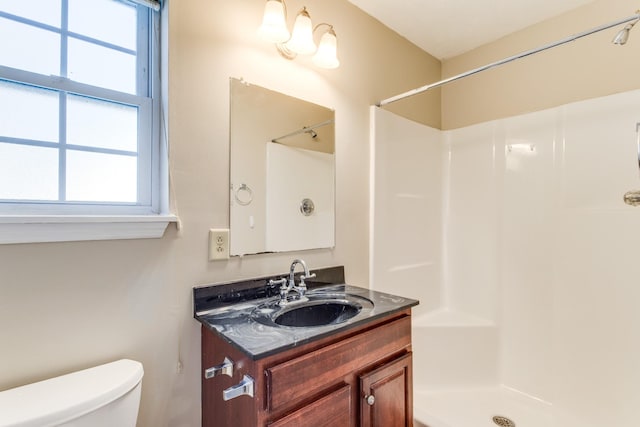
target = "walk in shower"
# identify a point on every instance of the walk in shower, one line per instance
(515, 237)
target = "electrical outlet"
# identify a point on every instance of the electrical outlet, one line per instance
(218, 244)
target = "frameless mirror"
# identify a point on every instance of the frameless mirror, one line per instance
(282, 172)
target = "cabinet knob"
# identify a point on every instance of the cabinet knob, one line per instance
(370, 399)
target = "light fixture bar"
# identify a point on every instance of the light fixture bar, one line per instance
(507, 60)
(301, 40)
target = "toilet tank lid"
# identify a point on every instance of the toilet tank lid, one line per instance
(60, 399)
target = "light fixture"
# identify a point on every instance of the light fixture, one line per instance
(326, 55)
(274, 25)
(301, 42)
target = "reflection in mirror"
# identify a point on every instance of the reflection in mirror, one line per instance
(282, 171)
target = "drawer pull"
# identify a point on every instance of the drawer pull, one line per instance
(370, 399)
(244, 387)
(226, 368)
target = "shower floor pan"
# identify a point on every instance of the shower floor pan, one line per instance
(477, 408)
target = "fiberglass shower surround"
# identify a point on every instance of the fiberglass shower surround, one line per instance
(513, 236)
(516, 241)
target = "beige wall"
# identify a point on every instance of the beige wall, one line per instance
(67, 306)
(586, 68)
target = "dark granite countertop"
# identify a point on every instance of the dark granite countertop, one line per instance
(227, 310)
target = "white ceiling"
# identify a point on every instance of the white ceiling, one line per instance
(446, 28)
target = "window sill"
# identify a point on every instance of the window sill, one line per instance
(71, 228)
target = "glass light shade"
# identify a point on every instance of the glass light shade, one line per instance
(302, 38)
(327, 54)
(274, 26)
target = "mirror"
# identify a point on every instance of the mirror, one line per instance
(282, 172)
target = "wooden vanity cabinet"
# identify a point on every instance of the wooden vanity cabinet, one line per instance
(328, 382)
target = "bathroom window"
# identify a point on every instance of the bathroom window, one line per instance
(79, 108)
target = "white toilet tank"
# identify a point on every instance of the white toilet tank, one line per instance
(104, 396)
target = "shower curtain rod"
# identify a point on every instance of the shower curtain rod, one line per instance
(506, 60)
(304, 129)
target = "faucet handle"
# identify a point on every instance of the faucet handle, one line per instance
(302, 287)
(309, 276)
(282, 282)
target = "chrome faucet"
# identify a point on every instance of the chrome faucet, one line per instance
(302, 287)
(286, 287)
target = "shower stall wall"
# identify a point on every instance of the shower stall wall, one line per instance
(515, 237)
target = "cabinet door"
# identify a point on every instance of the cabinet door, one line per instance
(332, 410)
(387, 395)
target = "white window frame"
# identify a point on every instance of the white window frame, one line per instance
(23, 222)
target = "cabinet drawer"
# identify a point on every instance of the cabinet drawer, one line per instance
(310, 373)
(329, 411)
